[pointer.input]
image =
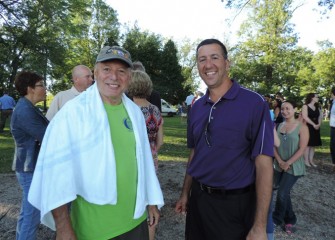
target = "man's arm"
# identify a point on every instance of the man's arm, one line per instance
(264, 181)
(64, 230)
(182, 202)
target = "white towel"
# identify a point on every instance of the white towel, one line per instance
(76, 158)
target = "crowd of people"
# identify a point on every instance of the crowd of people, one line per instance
(88, 168)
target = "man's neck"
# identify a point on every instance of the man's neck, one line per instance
(218, 92)
(77, 88)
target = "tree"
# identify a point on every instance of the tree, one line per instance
(33, 35)
(325, 6)
(160, 62)
(324, 75)
(186, 56)
(146, 48)
(172, 83)
(262, 59)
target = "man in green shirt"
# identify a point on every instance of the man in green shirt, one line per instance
(105, 163)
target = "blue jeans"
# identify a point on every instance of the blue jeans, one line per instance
(283, 213)
(29, 218)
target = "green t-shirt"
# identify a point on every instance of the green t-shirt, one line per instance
(91, 221)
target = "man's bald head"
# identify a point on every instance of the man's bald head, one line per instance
(81, 77)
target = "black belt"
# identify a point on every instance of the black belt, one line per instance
(213, 190)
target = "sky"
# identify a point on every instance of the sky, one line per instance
(200, 19)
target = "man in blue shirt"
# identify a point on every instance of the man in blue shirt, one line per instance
(228, 184)
(7, 104)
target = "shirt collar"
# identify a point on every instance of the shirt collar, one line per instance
(230, 94)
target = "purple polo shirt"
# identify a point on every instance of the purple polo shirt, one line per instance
(239, 129)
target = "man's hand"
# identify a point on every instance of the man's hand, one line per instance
(181, 205)
(154, 215)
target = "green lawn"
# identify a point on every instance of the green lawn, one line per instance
(6, 151)
(174, 148)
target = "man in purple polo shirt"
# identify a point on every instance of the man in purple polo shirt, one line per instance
(228, 183)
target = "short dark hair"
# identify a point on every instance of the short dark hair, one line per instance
(213, 41)
(278, 101)
(292, 102)
(333, 91)
(26, 79)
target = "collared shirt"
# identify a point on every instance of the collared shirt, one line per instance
(189, 100)
(239, 129)
(332, 115)
(7, 102)
(59, 100)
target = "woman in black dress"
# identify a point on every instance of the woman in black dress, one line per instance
(276, 104)
(312, 115)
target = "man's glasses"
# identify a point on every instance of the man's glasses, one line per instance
(207, 136)
(40, 85)
(206, 130)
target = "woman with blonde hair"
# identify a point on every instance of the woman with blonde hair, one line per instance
(139, 89)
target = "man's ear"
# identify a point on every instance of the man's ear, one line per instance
(227, 64)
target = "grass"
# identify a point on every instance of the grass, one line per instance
(323, 152)
(6, 151)
(174, 148)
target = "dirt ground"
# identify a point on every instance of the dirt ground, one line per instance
(313, 199)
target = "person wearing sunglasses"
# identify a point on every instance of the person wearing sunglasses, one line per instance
(228, 183)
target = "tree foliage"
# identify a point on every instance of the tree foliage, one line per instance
(267, 59)
(186, 56)
(51, 37)
(33, 36)
(160, 61)
(323, 64)
(325, 6)
(172, 85)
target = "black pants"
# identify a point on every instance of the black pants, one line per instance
(332, 144)
(212, 216)
(141, 232)
(6, 113)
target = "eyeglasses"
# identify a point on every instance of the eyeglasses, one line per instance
(206, 130)
(284, 136)
(40, 85)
